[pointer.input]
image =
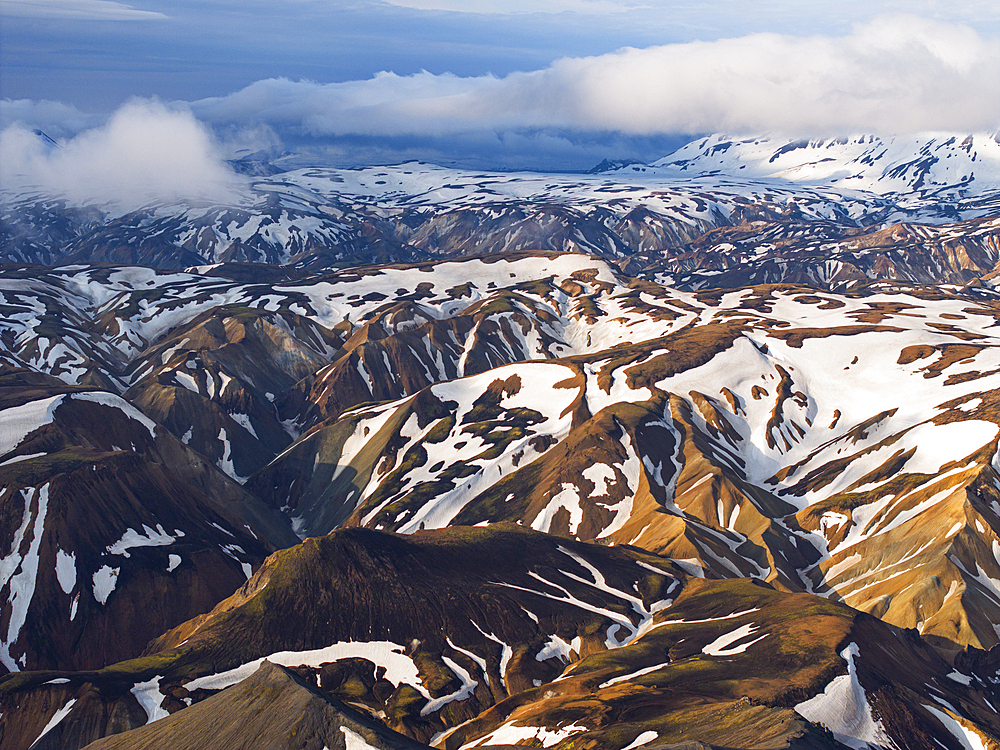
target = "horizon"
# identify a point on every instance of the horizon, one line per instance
(547, 86)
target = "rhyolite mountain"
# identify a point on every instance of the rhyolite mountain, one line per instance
(724, 516)
(113, 528)
(371, 461)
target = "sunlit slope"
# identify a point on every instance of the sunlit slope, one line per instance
(837, 444)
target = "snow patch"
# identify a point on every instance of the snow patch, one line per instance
(66, 570)
(467, 688)
(399, 667)
(25, 457)
(226, 462)
(509, 734)
(22, 584)
(969, 738)
(556, 647)
(843, 708)
(59, 715)
(151, 538)
(18, 422)
(569, 498)
(480, 661)
(634, 675)
(149, 696)
(602, 476)
(243, 420)
(354, 741)
(720, 646)
(104, 583)
(643, 739)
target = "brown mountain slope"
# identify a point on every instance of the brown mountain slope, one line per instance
(469, 637)
(214, 382)
(113, 529)
(423, 631)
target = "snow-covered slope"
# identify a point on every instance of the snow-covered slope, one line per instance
(929, 165)
(637, 216)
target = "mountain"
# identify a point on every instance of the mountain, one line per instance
(919, 166)
(213, 381)
(115, 529)
(409, 473)
(274, 708)
(718, 212)
(539, 639)
(809, 439)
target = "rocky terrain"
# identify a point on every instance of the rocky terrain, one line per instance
(704, 480)
(721, 212)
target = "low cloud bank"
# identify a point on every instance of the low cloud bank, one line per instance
(145, 153)
(893, 75)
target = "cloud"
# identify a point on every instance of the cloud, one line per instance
(58, 120)
(891, 75)
(145, 153)
(80, 10)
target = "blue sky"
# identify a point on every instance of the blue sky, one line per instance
(554, 84)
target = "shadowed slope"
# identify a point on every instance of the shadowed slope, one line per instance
(272, 710)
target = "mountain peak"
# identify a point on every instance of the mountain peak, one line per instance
(925, 163)
(610, 165)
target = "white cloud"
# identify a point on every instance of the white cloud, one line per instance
(145, 153)
(58, 120)
(894, 74)
(81, 10)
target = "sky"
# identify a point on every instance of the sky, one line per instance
(502, 84)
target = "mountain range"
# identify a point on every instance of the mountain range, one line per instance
(719, 212)
(701, 453)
